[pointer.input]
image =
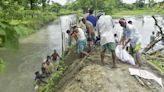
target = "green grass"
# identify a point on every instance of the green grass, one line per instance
(158, 64)
(138, 12)
(2, 65)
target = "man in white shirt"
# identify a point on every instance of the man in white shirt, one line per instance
(131, 35)
(104, 27)
(81, 41)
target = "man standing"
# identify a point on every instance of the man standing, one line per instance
(104, 27)
(91, 17)
(130, 34)
(152, 37)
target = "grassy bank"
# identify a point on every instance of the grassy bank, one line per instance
(124, 12)
(54, 79)
(139, 12)
(158, 64)
(27, 25)
(2, 65)
(13, 29)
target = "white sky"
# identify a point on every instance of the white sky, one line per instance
(62, 2)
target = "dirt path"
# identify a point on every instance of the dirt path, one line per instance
(88, 75)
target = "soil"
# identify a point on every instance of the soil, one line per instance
(89, 75)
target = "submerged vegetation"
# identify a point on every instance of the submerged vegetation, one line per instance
(2, 65)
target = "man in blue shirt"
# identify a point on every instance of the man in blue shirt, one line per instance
(91, 17)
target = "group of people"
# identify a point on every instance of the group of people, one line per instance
(49, 65)
(92, 29)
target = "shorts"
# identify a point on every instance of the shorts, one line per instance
(136, 48)
(109, 47)
(81, 46)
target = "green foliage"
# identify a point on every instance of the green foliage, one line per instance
(2, 65)
(159, 64)
(18, 19)
(140, 3)
(55, 7)
(11, 36)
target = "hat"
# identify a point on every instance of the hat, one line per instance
(73, 26)
(99, 14)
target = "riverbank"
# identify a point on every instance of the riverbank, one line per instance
(13, 30)
(88, 74)
(137, 12)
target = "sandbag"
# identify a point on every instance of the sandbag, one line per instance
(123, 55)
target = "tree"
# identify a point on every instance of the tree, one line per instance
(43, 4)
(140, 3)
(55, 7)
(33, 4)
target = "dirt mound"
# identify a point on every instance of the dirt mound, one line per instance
(88, 75)
(96, 78)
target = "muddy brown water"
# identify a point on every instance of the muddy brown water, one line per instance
(21, 65)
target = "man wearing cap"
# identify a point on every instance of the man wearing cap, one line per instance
(131, 35)
(105, 27)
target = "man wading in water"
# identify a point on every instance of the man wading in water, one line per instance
(55, 56)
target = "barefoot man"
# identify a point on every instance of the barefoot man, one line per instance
(105, 30)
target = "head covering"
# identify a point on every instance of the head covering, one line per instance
(99, 14)
(74, 26)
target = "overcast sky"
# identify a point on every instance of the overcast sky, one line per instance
(62, 2)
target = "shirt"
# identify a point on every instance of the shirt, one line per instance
(81, 34)
(92, 19)
(105, 27)
(131, 33)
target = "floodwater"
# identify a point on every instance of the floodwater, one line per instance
(21, 65)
